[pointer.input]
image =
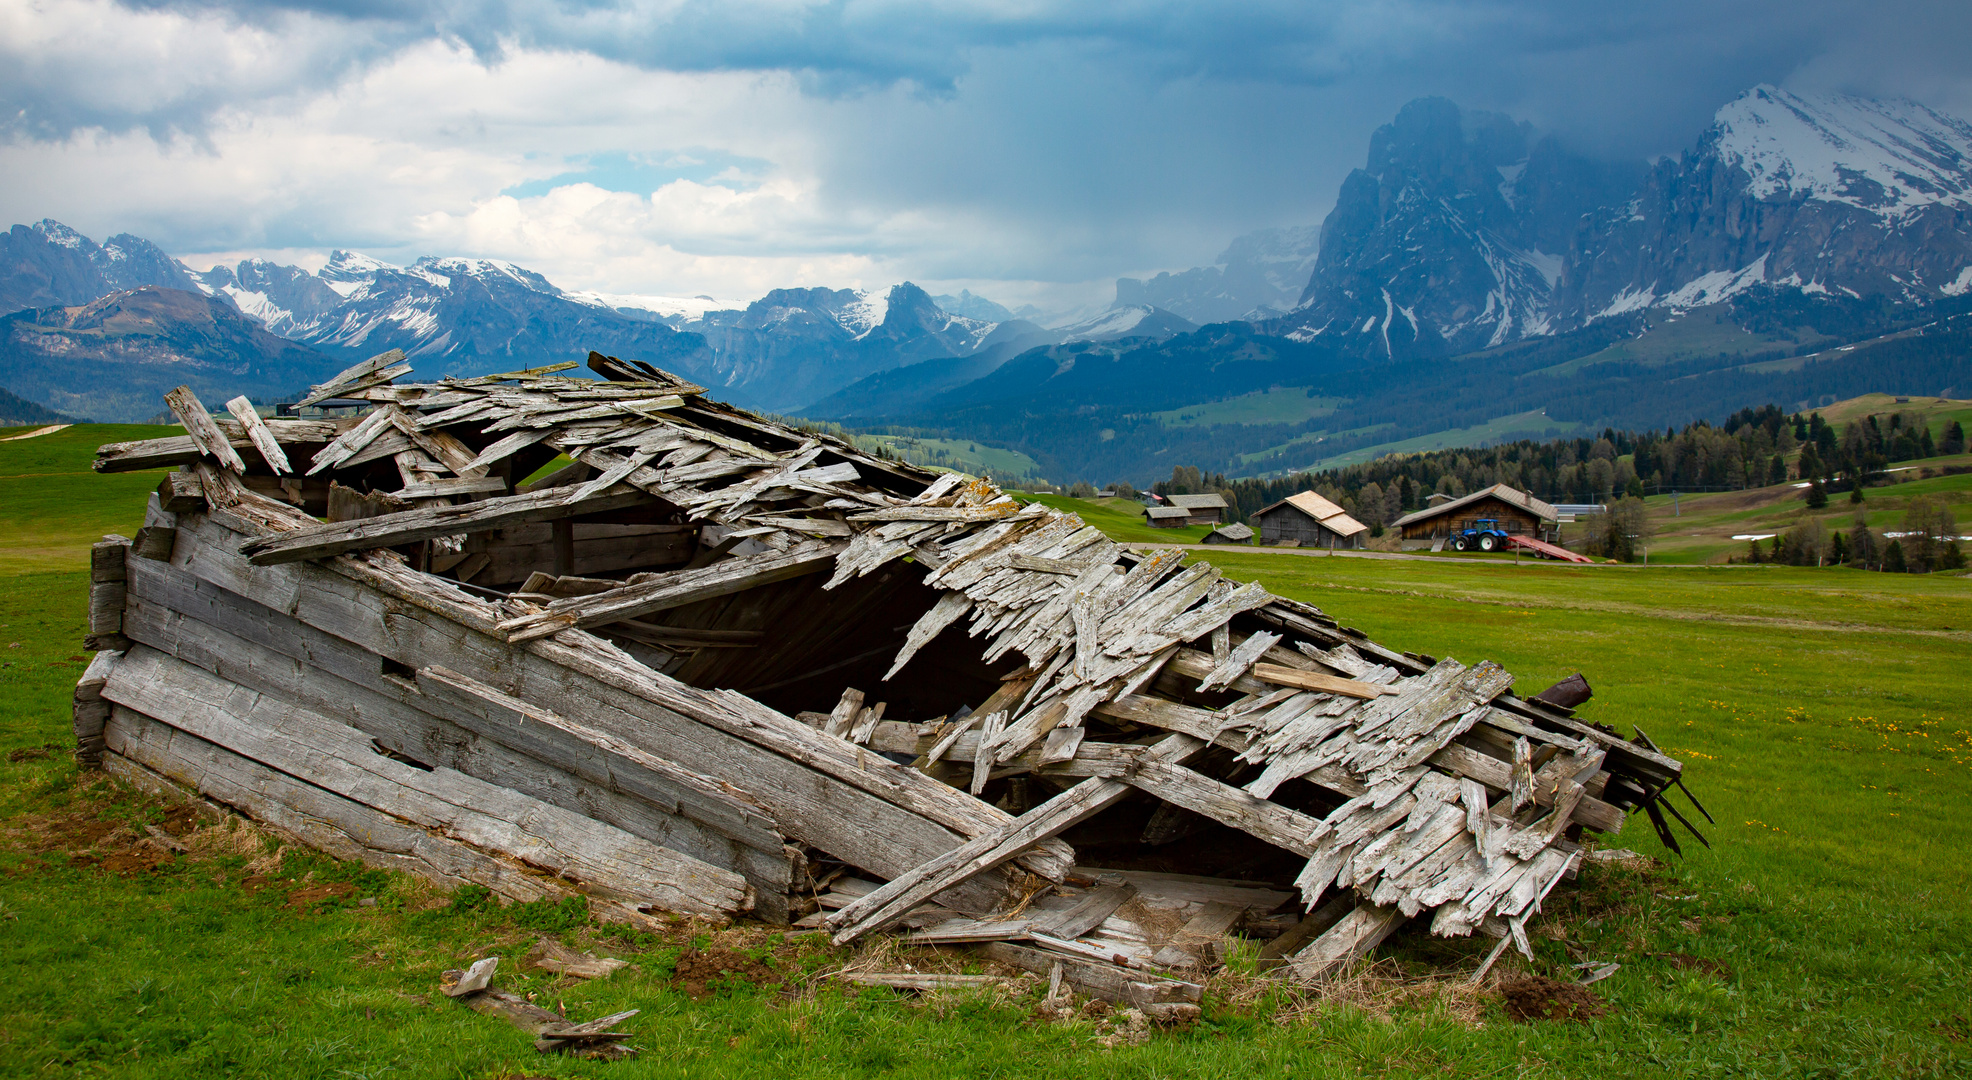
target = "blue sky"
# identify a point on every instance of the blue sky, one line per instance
(1026, 150)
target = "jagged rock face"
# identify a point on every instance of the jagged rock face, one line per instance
(796, 346)
(1835, 194)
(49, 263)
(1260, 275)
(465, 316)
(1452, 238)
(287, 300)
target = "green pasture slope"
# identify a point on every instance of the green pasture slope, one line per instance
(1822, 714)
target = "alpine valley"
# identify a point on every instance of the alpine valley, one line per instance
(1475, 281)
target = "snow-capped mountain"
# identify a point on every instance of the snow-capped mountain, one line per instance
(1829, 194)
(1126, 321)
(793, 347)
(1260, 275)
(1452, 238)
(49, 263)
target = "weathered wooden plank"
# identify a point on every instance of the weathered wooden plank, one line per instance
(1315, 680)
(177, 450)
(1198, 940)
(1276, 824)
(1238, 660)
(154, 542)
(88, 711)
(867, 812)
(424, 523)
(1088, 913)
(921, 883)
(1345, 943)
(180, 491)
(674, 589)
(334, 756)
(1098, 980)
(256, 431)
(697, 816)
(192, 413)
(452, 487)
(318, 818)
(371, 372)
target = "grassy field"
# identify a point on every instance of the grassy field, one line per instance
(1280, 405)
(1822, 715)
(965, 455)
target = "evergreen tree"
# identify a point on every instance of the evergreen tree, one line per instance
(1893, 558)
(1950, 557)
(1635, 488)
(1753, 552)
(1954, 440)
(1925, 447)
(1809, 467)
(1817, 495)
(1862, 544)
(1838, 550)
(1855, 491)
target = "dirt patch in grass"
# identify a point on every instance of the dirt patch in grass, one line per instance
(700, 973)
(1700, 964)
(310, 897)
(1532, 997)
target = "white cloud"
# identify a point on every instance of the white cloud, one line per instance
(1016, 149)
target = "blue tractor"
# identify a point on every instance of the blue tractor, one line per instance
(1484, 535)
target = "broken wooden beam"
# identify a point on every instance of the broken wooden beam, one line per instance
(674, 589)
(424, 523)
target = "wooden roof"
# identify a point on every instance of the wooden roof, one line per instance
(1211, 501)
(1332, 517)
(1509, 495)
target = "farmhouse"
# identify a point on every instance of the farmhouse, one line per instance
(1166, 517)
(1308, 520)
(725, 667)
(1201, 509)
(1517, 512)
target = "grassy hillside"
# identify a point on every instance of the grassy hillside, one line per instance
(1699, 528)
(1121, 519)
(1821, 714)
(56, 507)
(1279, 405)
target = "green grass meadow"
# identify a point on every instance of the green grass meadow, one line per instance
(1822, 714)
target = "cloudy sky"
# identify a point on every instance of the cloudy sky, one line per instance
(1029, 150)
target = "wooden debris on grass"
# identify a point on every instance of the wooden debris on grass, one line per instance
(725, 667)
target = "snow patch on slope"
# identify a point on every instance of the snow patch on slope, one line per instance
(1889, 157)
(1959, 285)
(866, 312)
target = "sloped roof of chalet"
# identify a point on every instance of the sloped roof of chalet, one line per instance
(1199, 502)
(1506, 494)
(1332, 517)
(1165, 513)
(1235, 531)
(1372, 726)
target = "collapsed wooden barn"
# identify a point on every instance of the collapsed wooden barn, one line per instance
(724, 667)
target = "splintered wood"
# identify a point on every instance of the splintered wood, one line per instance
(724, 667)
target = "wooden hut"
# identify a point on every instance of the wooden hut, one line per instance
(1166, 517)
(1308, 520)
(1517, 512)
(680, 673)
(1200, 509)
(1230, 534)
